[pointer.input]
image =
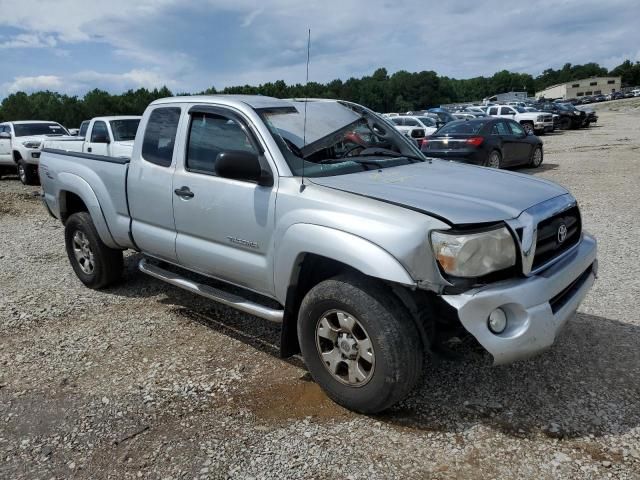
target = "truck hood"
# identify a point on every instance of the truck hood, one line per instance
(458, 193)
(43, 138)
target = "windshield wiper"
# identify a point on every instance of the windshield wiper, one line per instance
(386, 153)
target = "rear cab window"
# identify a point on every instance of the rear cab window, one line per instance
(160, 135)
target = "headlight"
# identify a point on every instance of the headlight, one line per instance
(475, 254)
(31, 144)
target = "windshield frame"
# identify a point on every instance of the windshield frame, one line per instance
(409, 152)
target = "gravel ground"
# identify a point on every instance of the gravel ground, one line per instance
(146, 381)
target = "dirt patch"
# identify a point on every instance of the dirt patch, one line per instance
(12, 203)
(293, 401)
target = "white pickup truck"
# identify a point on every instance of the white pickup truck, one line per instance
(532, 122)
(21, 144)
(108, 136)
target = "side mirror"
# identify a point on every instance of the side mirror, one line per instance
(242, 165)
(5, 136)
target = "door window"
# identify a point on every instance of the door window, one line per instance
(209, 135)
(160, 136)
(499, 128)
(516, 129)
(99, 133)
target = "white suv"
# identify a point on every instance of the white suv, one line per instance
(21, 143)
(532, 122)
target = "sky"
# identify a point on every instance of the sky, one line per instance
(73, 46)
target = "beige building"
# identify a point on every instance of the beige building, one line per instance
(580, 88)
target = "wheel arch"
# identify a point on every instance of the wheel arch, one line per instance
(76, 195)
(310, 254)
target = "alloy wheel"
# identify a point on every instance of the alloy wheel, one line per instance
(345, 348)
(83, 253)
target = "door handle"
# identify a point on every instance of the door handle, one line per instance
(184, 192)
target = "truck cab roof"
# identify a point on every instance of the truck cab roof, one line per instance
(254, 101)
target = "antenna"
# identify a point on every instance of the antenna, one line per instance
(306, 93)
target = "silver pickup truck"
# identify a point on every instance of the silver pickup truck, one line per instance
(336, 226)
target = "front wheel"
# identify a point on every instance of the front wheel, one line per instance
(28, 173)
(359, 343)
(95, 264)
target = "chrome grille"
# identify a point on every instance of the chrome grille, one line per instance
(548, 244)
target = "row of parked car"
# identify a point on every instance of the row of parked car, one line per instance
(603, 98)
(21, 142)
(494, 135)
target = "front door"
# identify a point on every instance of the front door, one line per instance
(5, 146)
(224, 226)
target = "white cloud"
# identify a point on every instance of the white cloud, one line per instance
(80, 82)
(30, 40)
(40, 82)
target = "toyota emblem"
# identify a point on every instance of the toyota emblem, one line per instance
(562, 233)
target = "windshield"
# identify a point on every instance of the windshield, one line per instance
(124, 130)
(337, 138)
(31, 129)
(427, 122)
(462, 127)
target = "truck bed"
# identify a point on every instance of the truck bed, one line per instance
(100, 180)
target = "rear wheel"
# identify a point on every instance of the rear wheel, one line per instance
(359, 343)
(95, 264)
(536, 157)
(494, 160)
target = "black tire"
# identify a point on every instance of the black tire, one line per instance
(28, 174)
(394, 337)
(493, 160)
(107, 262)
(565, 123)
(536, 160)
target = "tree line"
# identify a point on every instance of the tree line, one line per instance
(399, 92)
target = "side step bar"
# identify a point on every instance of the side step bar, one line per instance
(211, 293)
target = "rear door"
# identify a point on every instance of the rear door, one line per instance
(224, 226)
(521, 144)
(99, 139)
(501, 130)
(149, 183)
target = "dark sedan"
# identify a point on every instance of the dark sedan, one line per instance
(491, 142)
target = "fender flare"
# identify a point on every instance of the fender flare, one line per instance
(72, 183)
(352, 250)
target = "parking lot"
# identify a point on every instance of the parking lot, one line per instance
(147, 381)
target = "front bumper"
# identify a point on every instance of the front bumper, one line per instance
(537, 307)
(543, 126)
